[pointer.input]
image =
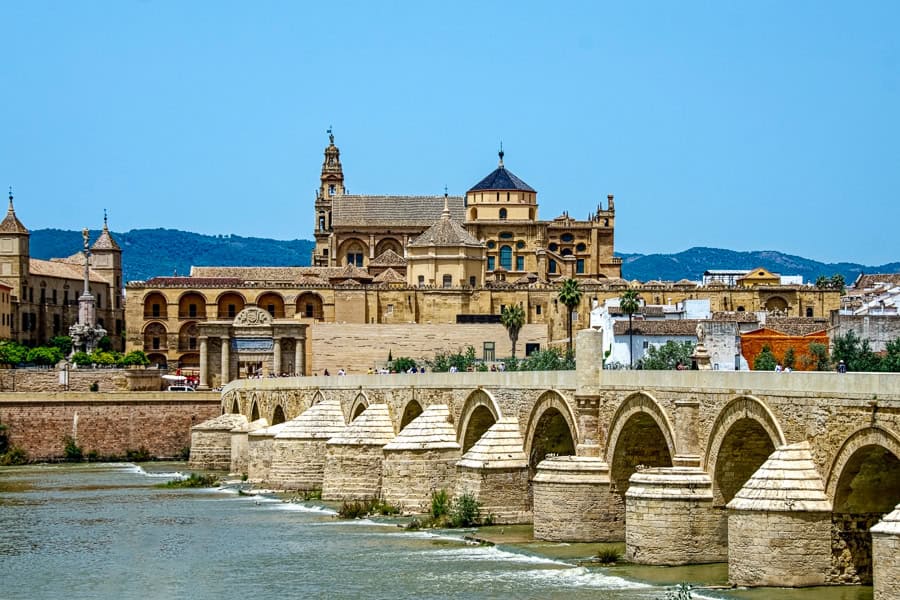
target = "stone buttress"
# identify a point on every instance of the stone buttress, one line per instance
(670, 519)
(495, 470)
(573, 501)
(259, 453)
(298, 450)
(355, 457)
(421, 459)
(240, 445)
(211, 442)
(886, 557)
(779, 523)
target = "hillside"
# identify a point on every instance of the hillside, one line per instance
(152, 252)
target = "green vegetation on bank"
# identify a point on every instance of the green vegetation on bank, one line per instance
(446, 512)
(195, 480)
(358, 509)
(9, 454)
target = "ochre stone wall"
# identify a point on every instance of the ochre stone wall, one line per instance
(886, 556)
(297, 464)
(502, 493)
(108, 424)
(47, 380)
(660, 531)
(778, 548)
(259, 458)
(211, 449)
(352, 472)
(409, 476)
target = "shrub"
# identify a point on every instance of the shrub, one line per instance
(12, 353)
(101, 357)
(139, 455)
(357, 509)
(461, 359)
(466, 511)
(413, 525)
(72, 452)
(608, 555)
(43, 355)
(63, 342)
(440, 504)
(13, 456)
(195, 480)
(135, 358)
(403, 364)
(82, 359)
(94, 387)
(765, 360)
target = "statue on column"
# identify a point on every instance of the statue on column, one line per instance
(86, 334)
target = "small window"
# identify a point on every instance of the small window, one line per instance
(502, 214)
(579, 265)
(506, 257)
(271, 309)
(567, 238)
(566, 252)
(192, 343)
(490, 266)
(331, 190)
(553, 247)
(646, 344)
(537, 309)
(66, 298)
(580, 247)
(447, 281)
(506, 235)
(531, 348)
(488, 352)
(491, 244)
(154, 310)
(520, 245)
(308, 310)
(520, 263)
(389, 309)
(192, 310)
(232, 310)
(473, 281)
(740, 309)
(54, 296)
(421, 281)
(552, 266)
(809, 311)
(156, 343)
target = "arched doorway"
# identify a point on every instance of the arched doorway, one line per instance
(776, 304)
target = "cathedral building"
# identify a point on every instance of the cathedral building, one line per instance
(435, 267)
(43, 294)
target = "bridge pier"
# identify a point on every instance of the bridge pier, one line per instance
(573, 501)
(779, 524)
(670, 519)
(259, 453)
(240, 445)
(355, 457)
(211, 442)
(886, 556)
(298, 450)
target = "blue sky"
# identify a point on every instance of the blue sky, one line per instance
(740, 125)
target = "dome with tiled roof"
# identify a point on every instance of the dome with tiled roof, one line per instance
(11, 223)
(445, 232)
(501, 180)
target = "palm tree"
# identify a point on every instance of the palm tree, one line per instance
(513, 317)
(630, 303)
(570, 296)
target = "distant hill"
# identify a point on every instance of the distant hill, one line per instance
(148, 253)
(161, 252)
(691, 264)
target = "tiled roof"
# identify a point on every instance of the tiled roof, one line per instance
(310, 280)
(865, 282)
(739, 316)
(285, 274)
(11, 223)
(682, 327)
(105, 241)
(445, 232)
(197, 282)
(351, 272)
(500, 179)
(63, 270)
(390, 276)
(797, 326)
(388, 258)
(398, 211)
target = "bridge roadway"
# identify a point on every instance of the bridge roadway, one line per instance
(676, 432)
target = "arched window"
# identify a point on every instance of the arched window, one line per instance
(506, 257)
(502, 214)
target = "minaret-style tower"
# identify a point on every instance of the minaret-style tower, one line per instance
(14, 251)
(332, 184)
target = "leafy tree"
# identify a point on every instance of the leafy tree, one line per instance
(630, 303)
(789, 359)
(570, 296)
(82, 359)
(105, 344)
(891, 360)
(513, 317)
(765, 360)
(135, 358)
(550, 359)
(99, 357)
(461, 359)
(403, 364)
(43, 355)
(835, 282)
(63, 342)
(855, 352)
(12, 353)
(668, 356)
(819, 356)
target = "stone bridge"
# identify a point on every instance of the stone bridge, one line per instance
(781, 474)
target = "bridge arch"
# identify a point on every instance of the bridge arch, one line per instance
(479, 412)
(864, 485)
(277, 415)
(235, 405)
(640, 434)
(254, 410)
(411, 410)
(316, 398)
(552, 429)
(743, 436)
(360, 403)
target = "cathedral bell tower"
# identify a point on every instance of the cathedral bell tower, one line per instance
(332, 184)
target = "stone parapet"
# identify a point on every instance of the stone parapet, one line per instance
(573, 501)
(886, 557)
(670, 519)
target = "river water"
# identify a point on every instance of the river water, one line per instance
(106, 531)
